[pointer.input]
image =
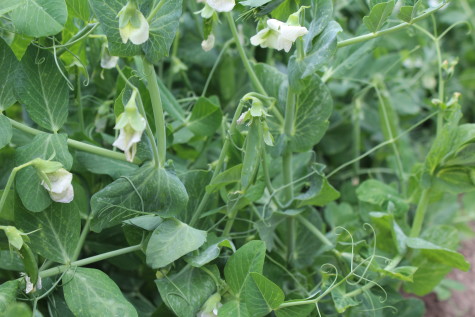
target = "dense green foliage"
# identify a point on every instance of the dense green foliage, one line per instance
(316, 166)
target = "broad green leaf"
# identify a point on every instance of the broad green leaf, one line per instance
(9, 5)
(148, 222)
(322, 16)
(387, 231)
(427, 277)
(163, 28)
(262, 295)
(11, 261)
(5, 131)
(410, 307)
(409, 10)
(91, 293)
(252, 155)
(8, 292)
(342, 302)
(205, 117)
(378, 15)
(326, 195)
(377, 193)
(28, 184)
(170, 104)
(313, 108)
(439, 254)
(60, 227)
(171, 240)
(8, 65)
(20, 45)
(41, 88)
(102, 165)
(234, 308)
(322, 51)
(40, 18)
(17, 309)
(146, 190)
(186, 292)
(339, 214)
(295, 311)
(195, 182)
(455, 180)
(57, 305)
(229, 176)
(209, 251)
(79, 9)
(249, 258)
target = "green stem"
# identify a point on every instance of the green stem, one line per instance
(440, 116)
(155, 10)
(215, 66)
(420, 213)
(78, 100)
(314, 230)
(9, 184)
(76, 144)
(287, 157)
(158, 114)
(63, 268)
(82, 238)
(243, 55)
(370, 36)
(219, 165)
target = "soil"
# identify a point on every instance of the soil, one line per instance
(461, 303)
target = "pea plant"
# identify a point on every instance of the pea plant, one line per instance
(230, 158)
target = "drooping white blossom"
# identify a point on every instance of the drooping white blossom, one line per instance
(131, 125)
(133, 25)
(208, 44)
(278, 35)
(58, 184)
(108, 61)
(221, 5)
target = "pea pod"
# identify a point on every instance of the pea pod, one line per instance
(29, 261)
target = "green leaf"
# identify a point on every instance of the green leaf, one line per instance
(313, 108)
(229, 176)
(163, 28)
(388, 231)
(8, 292)
(234, 308)
(91, 293)
(146, 190)
(40, 18)
(60, 227)
(322, 16)
(322, 51)
(249, 258)
(102, 165)
(20, 45)
(8, 65)
(41, 88)
(378, 15)
(295, 311)
(5, 131)
(262, 295)
(17, 310)
(186, 292)
(171, 240)
(409, 12)
(326, 195)
(427, 276)
(9, 5)
(28, 184)
(342, 302)
(403, 273)
(205, 117)
(377, 193)
(209, 251)
(195, 182)
(439, 254)
(79, 9)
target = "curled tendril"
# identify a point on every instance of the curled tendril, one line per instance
(331, 266)
(352, 244)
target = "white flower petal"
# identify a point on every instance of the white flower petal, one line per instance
(109, 62)
(291, 33)
(208, 44)
(274, 24)
(125, 32)
(59, 180)
(29, 285)
(140, 35)
(221, 5)
(127, 140)
(64, 197)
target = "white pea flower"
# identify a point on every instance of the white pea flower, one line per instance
(278, 35)
(221, 5)
(208, 44)
(108, 61)
(58, 184)
(133, 25)
(131, 125)
(30, 287)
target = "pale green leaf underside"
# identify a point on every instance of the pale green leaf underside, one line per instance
(8, 66)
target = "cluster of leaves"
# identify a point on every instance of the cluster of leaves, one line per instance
(343, 188)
